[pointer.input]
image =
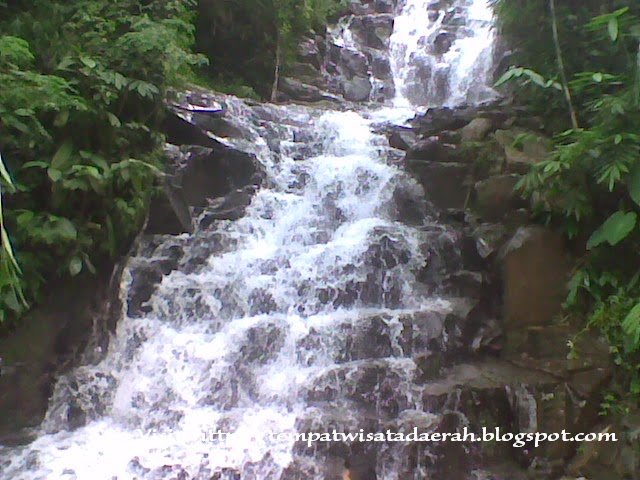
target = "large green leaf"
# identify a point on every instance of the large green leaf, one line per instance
(61, 158)
(615, 229)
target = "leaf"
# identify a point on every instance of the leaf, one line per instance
(634, 184)
(615, 229)
(65, 228)
(62, 156)
(597, 77)
(631, 325)
(113, 120)
(4, 173)
(54, 174)
(35, 164)
(613, 28)
(75, 266)
(89, 62)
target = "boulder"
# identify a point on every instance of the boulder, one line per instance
(535, 267)
(444, 183)
(522, 148)
(495, 196)
(443, 42)
(373, 31)
(357, 89)
(476, 130)
(402, 139)
(353, 63)
(291, 89)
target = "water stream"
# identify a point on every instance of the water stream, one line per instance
(292, 321)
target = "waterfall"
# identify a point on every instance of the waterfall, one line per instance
(442, 56)
(291, 320)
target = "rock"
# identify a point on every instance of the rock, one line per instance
(402, 139)
(535, 269)
(169, 213)
(353, 63)
(495, 196)
(442, 43)
(476, 130)
(380, 65)
(373, 31)
(309, 52)
(70, 326)
(357, 89)
(522, 148)
(444, 183)
(433, 150)
(438, 119)
(291, 89)
(489, 239)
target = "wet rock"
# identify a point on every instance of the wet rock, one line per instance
(522, 148)
(402, 139)
(373, 30)
(353, 63)
(229, 207)
(169, 213)
(433, 150)
(72, 324)
(357, 89)
(489, 239)
(444, 183)
(443, 42)
(309, 52)
(380, 65)
(436, 120)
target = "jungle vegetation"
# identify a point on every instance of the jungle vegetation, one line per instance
(82, 84)
(577, 65)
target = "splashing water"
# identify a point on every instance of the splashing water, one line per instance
(425, 76)
(272, 331)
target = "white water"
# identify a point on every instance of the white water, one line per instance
(249, 341)
(459, 76)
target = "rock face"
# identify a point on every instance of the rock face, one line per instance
(71, 325)
(203, 165)
(517, 373)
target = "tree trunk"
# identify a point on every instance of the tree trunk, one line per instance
(276, 75)
(563, 74)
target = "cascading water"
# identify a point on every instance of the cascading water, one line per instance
(293, 322)
(442, 57)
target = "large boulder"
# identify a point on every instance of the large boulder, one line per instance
(495, 196)
(443, 182)
(535, 268)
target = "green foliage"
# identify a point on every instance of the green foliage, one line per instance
(81, 106)
(241, 38)
(590, 184)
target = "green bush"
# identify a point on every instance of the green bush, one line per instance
(81, 104)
